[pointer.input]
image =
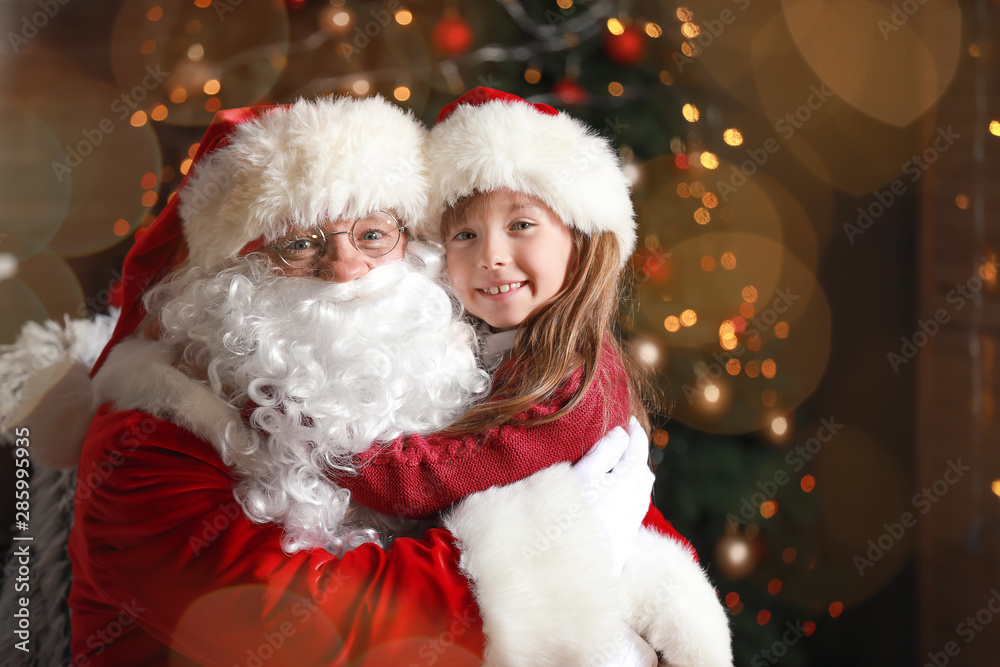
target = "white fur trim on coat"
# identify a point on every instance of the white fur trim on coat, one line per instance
(672, 604)
(557, 159)
(540, 572)
(329, 158)
(138, 375)
(45, 384)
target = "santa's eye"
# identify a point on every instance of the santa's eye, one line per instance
(300, 245)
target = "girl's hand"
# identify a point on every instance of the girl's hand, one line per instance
(617, 482)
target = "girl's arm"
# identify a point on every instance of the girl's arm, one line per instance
(417, 476)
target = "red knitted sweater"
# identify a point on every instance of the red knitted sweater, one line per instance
(417, 476)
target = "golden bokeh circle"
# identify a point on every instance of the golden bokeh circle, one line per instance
(781, 339)
(105, 160)
(33, 199)
(892, 63)
(840, 144)
(243, 48)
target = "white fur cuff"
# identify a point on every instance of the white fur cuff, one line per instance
(673, 605)
(540, 571)
(138, 375)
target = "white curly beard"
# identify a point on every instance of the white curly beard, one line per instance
(332, 367)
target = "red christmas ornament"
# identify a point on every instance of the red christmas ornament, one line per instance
(569, 92)
(452, 36)
(628, 48)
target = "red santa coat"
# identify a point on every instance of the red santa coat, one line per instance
(168, 571)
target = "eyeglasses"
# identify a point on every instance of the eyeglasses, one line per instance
(374, 235)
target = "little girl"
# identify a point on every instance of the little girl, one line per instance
(537, 224)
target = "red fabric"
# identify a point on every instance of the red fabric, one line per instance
(160, 249)
(168, 570)
(482, 95)
(654, 520)
(417, 476)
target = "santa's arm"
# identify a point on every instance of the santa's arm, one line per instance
(158, 529)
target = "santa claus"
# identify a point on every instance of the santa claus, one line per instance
(207, 530)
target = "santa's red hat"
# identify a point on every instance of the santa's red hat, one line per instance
(260, 170)
(488, 139)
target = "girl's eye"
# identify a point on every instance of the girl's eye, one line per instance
(463, 236)
(521, 225)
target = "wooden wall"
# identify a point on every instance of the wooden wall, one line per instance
(958, 369)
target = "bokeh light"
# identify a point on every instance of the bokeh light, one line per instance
(892, 73)
(103, 154)
(231, 54)
(712, 328)
(33, 198)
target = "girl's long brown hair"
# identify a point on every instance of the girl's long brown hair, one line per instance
(566, 333)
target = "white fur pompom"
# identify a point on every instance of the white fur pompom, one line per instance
(45, 384)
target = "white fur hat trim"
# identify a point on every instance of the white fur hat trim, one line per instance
(509, 144)
(331, 158)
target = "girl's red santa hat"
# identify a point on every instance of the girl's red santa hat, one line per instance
(488, 140)
(261, 170)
